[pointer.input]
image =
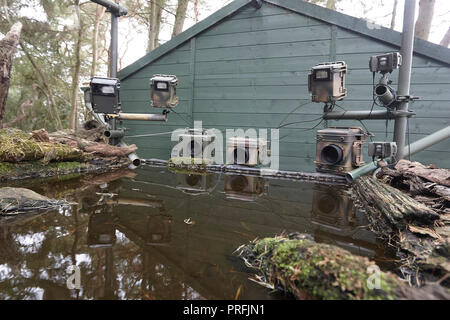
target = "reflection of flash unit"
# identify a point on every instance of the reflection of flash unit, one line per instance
(326, 82)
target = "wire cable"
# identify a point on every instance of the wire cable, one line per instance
(300, 106)
(182, 118)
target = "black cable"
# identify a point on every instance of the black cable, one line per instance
(305, 121)
(300, 106)
(360, 121)
(182, 118)
(304, 130)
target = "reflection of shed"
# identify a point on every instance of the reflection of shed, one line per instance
(245, 67)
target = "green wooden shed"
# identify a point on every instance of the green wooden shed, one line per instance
(246, 67)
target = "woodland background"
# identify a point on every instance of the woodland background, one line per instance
(64, 43)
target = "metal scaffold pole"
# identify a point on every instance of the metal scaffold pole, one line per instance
(404, 81)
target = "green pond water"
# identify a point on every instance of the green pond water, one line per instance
(154, 234)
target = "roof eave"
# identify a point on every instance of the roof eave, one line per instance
(423, 47)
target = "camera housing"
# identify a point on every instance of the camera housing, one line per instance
(105, 95)
(326, 82)
(163, 91)
(385, 63)
(339, 150)
(382, 150)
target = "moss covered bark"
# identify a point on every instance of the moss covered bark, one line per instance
(309, 270)
(17, 146)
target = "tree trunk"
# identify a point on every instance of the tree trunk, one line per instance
(180, 17)
(331, 4)
(98, 19)
(196, 10)
(446, 40)
(76, 72)
(156, 8)
(394, 15)
(8, 47)
(45, 88)
(423, 24)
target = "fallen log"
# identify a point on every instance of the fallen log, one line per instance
(309, 270)
(396, 207)
(439, 176)
(17, 146)
(110, 151)
(37, 169)
(14, 201)
(417, 231)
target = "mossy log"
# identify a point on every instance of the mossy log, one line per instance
(397, 207)
(17, 146)
(309, 270)
(37, 169)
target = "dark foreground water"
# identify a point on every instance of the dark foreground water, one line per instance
(153, 234)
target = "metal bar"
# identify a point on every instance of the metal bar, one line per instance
(134, 158)
(357, 173)
(404, 81)
(140, 117)
(112, 7)
(428, 141)
(322, 178)
(114, 46)
(366, 115)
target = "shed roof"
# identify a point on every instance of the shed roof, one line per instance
(423, 47)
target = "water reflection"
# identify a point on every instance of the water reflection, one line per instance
(338, 221)
(245, 188)
(127, 233)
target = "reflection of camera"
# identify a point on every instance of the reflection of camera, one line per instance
(163, 91)
(245, 188)
(332, 208)
(385, 63)
(159, 230)
(326, 82)
(195, 182)
(105, 95)
(101, 231)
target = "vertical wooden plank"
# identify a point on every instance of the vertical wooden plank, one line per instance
(190, 111)
(334, 34)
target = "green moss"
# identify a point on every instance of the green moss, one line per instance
(65, 165)
(6, 167)
(322, 271)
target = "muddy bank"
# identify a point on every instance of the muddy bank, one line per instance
(299, 266)
(408, 207)
(40, 154)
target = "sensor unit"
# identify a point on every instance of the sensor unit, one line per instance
(163, 91)
(385, 63)
(339, 150)
(326, 82)
(382, 150)
(105, 95)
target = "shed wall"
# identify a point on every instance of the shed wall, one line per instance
(250, 71)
